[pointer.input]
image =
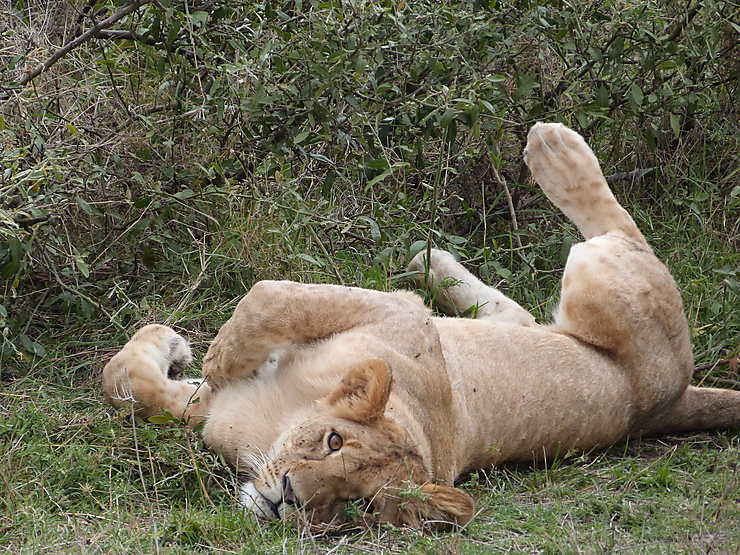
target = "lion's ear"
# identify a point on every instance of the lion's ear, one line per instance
(363, 392)
(437, 507)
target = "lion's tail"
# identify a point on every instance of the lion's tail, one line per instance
(699, 408)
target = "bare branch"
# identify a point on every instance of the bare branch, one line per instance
(120, 14)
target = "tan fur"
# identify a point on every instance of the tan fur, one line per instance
(414, 401)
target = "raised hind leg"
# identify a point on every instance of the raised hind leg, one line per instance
(459, 290)
(140, 374)
(616, 295)
(569, 174)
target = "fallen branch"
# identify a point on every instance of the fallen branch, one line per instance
(120, 14)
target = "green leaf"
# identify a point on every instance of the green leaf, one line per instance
(300, 137)
(676, 125)
(374, 228)
(500, 270)
(3, 312)
(456, 239)
(416, 247)
(311, 260)
(668, 64)
(83, 267)
(199, 18)
(725, 271)
(320, 158)
(488, 106)
(31, 346)
(525, 84)
(637, 94)
(185, 194)
(377, 164)
(84, 205)
(582, 117)
(166, 418)
(700, 196)
(386, 173)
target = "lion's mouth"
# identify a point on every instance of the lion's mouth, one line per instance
(270, 507)
(289, 497)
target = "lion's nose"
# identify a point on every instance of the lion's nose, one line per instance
(288, 493)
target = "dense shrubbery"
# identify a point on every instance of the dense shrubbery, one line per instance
(195, 145)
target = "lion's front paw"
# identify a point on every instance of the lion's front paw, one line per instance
(154, 354)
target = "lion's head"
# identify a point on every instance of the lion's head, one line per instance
(347, 449)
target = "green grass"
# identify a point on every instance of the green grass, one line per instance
(75, 475)
(79, 476)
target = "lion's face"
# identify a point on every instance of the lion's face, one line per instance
(347, 449)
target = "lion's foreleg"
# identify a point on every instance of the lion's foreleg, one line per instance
(277, 314)
(139, 376)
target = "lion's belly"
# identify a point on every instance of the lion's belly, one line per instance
(526, 393)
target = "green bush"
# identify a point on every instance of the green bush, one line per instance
(208, 144)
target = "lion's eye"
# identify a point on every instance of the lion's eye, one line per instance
(334, 441)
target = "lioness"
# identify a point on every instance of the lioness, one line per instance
(326, 394)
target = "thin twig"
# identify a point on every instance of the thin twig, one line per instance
(120, 14)
(713, 365)
(122, 34)
(634, 175)
(509, 200)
